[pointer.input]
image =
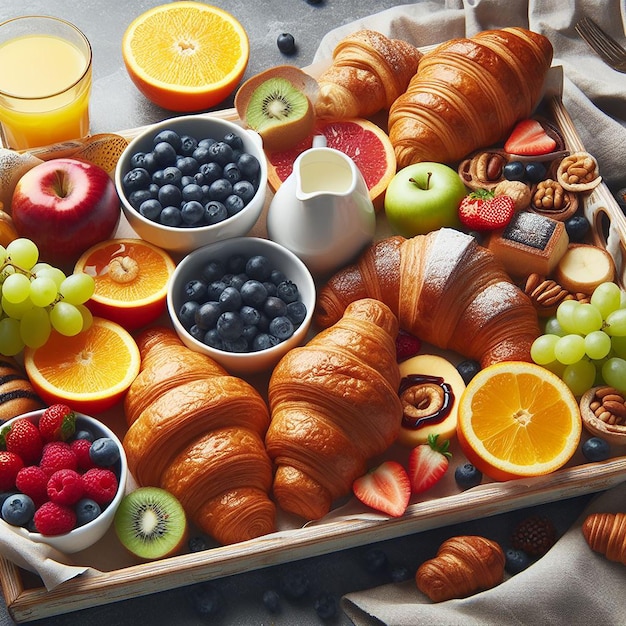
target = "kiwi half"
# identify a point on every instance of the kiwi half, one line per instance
(278, 105)
(151, 523)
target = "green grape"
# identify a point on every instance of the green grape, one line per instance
(16, 288)
(587, 318)
(597, 345)
(565, 315)
(569, 349)
(615, 323)
(606, 298)
(618, 345)
(35, 327)
(555, 367)
(580, 376)
(77, 288)
(552, 327)
(10, 339)
(542, 349)
(3, 254)
(16, 310)
(66, 319)
(43, 291)
(614, 373)
(87, 316)
(23, 252)
(57, 275)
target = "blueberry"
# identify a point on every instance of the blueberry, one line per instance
(535, 171)
(271, 600)
(274, 307)
(259, 267)
(234, 141)
(239, 345)
(187, 165)
(229, 325)
(236, 264)
(232, 173)
(277, 276)
(281, 327)
(400, 573)
(221, 153)
(143, 160)
(196, 290)
(577, 228)
(286, 43)
(192, 191)
(296, 312)
(213, 339)
(295, 584)
(137, 178)
(467, 476)
(325, 605)
(192, 213)
(197, 333)
(202, 155)
(271, 288)
(375, 560)
(206, 599)
(151, 209)
(187, 145)
(206, 142)
(214, 289)
(263, 341)
(170, 195)
(596, 449)
(213, 271)
(234, 204)
(220, 189)
(170, 216)
(104, 452)
(135, 198)
(249, 166)
(249, 332)
(516, 561)
(211, 171)
(287, 291)
(168, 136)
(87, 510)
(164, 153)
(238, 280)
(207, 315)
(230, 299)
(172, 175)
(198, 543)
(187, 313)
(215, 212)
(514, 170)
(83, 433)
(18, 509)
(468, 369)
(253, 293)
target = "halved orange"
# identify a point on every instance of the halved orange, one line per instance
(185, 56)
(365, 142)
(89, 372)
(131, 278)
(518, 420)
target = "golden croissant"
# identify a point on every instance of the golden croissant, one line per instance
(463, 566)
(198, 432)
(445, 289)
(334, 405)
(606, 533)
(368, 72)
(468, 94)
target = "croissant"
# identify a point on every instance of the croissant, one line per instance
(463, 566)
(444, 288)
(468, 94)
(198, 432)
(606, 533)
(17, 395)
(334, 405)
(368, 72)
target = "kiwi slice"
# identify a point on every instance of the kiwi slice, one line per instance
(277, 104)
(151, 523)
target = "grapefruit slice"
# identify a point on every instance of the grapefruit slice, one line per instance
(363, 141)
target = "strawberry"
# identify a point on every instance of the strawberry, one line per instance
(385, 488)
(407, 345)
(10, 465)
(482, 210)
(529, 138)
(23, 438)
(428, 462)
(57, 423)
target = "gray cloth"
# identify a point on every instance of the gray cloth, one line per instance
(593, 94)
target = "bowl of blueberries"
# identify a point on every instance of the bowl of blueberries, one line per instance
(243, 301)
(67, 495)
(192, 180)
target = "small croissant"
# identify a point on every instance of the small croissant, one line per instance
(463, 566)
(606, 533)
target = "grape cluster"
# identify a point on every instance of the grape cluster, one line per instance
(37, 297)
(585, 343)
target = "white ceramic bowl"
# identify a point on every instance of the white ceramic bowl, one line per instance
(183, 240)
(281, 258)
(84, 536)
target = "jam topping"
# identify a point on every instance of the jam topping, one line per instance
(425, 400)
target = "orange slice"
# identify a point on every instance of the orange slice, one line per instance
(131, 278)
(518, 420)
(365, 142)
(89, 372)
(185, 56)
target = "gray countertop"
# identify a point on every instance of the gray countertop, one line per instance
(117, 105)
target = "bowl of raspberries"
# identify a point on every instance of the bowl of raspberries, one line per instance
(62, 477)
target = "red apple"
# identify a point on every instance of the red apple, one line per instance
(65, 206)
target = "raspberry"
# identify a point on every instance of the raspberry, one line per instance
(54, 519)
(10, 465)
(81, 450)
(57, 455)
(57, 423)
(65, 487)
(407, 345)
(535, 535)
(23, 438)
(100, 485)
(32, 481)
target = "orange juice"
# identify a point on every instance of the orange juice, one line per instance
(44, 89)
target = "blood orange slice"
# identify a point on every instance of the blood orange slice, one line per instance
(365, 142)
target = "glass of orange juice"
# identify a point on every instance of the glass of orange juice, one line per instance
(45, 81)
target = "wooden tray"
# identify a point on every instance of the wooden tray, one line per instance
(112, 577)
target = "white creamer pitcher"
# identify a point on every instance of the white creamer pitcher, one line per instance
(322, 212)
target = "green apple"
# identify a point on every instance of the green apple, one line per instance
(423, 197)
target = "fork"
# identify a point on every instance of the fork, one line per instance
(602, 44)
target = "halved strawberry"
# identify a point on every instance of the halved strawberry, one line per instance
(385, 488)
(428, 462)
(482, 210)
(529, 138)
